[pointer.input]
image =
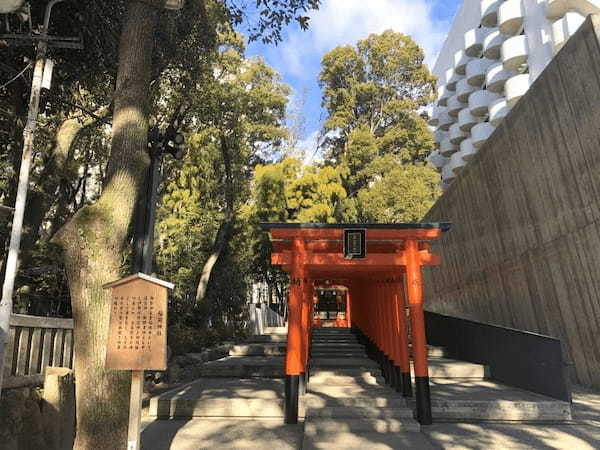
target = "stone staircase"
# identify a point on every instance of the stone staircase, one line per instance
(347, 404)
(246, 384)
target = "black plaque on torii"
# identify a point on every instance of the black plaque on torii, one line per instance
(355, 243)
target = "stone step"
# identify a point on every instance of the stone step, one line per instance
(333, 425)
(338, 363)
(485, 400)
(384, 400)
(228, 433)
(335, 341)
(218, 397)
(332, 330)
(381, 401)
(345, 380)
(433, 352)
(267, 338)
(347, 371)
(484, 410)
(337, 354)
(361, 440)
(338, 347)
(244, 367)
(357, 412)
(275, 349)
(375, 396)
(247, 371)
(333, 334)
(276, 330)
(217, 407)
(451, 368)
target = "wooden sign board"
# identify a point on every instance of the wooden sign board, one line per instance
(137, 334)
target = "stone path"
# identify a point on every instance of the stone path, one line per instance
(348, 406)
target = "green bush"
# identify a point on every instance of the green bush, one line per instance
(187, 339)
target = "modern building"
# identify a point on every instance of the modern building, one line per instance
(493, 53)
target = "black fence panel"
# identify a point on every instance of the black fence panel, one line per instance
(521, 359)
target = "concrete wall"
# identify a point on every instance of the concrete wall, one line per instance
(524, 250)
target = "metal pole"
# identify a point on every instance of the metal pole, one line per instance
(153, 182)
(143, 254)
(143, 243)
(17, 226)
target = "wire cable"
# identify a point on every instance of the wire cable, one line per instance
(16, 76)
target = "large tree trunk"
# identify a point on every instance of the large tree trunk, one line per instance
(221, 240)
(41, 199)
(95, 238)
(226, 228)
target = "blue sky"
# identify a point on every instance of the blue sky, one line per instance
(341, 22)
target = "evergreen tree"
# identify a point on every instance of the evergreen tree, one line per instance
(373, 94)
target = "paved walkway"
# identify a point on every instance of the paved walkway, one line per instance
(258, 434)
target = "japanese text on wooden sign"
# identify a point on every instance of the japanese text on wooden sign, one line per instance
(137, 330)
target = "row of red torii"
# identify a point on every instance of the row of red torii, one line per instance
(381, 267)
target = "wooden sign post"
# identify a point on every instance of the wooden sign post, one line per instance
(137, 337)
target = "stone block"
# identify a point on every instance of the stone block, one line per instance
(58, 409)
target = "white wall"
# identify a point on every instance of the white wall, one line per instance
(467, 17)
(543, 39)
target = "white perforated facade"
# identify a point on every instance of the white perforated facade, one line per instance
(494, 51)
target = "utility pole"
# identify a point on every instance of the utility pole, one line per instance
(159, 144)
(143, 249)
(6, 303)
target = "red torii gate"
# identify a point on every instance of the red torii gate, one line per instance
(388, 264)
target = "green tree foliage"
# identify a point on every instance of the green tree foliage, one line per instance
(404, 193)
(291, 192)
(73, 139)
(373, 94)
(235, 120)
(132, 50)
(287, 191)
(270, 16)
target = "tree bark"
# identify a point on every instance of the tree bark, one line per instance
(221, 241)
(94, 240)
(226, 228)
(41, 200)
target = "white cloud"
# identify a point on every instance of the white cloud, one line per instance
(341, 22)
